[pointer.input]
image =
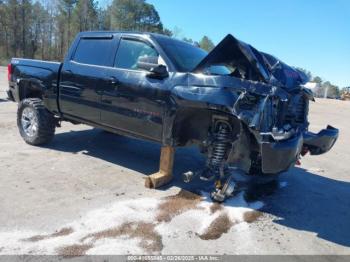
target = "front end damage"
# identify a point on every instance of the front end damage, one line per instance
(264, 131)
(272, 137)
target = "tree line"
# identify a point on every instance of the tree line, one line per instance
(44, 29)
(324, 88)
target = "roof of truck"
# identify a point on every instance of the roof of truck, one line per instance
(91, 33)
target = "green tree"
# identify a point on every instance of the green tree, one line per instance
(85, 16)
(177, 32)
(13, 22)
(104, 19)
(317, 80)
(4, 30)
(45, 29)
(206, 43)
(36, 30)
(330, 90)
(306, 72)
(149, 20)
(135, 15)
(188, 40)
(42, 31)
(49, 33)
(167, 32)
(64, 24)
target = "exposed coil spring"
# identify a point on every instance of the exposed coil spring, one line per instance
(220, 145)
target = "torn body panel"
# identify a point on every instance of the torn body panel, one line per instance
(273, 121)
(269, 106)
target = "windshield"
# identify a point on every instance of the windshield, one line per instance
(186, 56)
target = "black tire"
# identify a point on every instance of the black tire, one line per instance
(44, 122)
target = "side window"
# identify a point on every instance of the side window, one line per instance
(130, 51)
(95, 52)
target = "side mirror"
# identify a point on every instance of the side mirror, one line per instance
(150, 64)
(147, 62)
(159, 72)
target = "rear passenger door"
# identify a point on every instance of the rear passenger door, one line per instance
(135, 103)
(83, 75)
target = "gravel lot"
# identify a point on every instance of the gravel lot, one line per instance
(84, 194)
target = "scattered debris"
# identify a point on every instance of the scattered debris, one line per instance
(137, 226)
(217, 228)
(216, 207)
(62, 232)
(150, 239)
(177, 204)
(73, 250)
(252, 216)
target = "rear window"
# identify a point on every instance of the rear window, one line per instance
(95, 52)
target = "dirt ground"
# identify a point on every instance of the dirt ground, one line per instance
(84, 194)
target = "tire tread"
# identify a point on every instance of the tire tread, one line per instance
(46, 122)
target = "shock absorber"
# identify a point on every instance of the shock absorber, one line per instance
(225, 186)
(219, 148)
(220, 144)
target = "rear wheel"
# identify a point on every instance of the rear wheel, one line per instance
(35, 123)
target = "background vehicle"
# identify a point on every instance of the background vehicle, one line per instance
(245, 109)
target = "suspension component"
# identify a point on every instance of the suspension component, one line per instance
(221, 144)
(225, 191)
(219, 148)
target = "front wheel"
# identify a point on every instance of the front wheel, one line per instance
(35, 123)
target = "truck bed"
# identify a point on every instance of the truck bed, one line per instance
(38, 75)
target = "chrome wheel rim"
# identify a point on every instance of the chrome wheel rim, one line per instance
(29, 122)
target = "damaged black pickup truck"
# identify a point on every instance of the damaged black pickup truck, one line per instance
(245, 109)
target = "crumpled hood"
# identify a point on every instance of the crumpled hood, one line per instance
(252, 64)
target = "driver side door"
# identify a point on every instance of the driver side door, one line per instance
(133, 102)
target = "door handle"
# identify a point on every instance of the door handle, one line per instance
(112, 80)
(68, 72)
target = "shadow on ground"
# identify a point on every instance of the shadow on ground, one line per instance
(3, 100)
(309, 202)
(137, 155)
(313, 203)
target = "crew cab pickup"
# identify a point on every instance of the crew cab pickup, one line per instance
(245, 109)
